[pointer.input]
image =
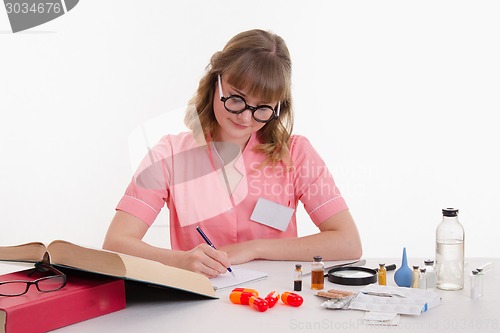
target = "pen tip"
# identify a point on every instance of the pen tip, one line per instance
(232, 273)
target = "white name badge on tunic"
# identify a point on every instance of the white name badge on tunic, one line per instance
(272, 214)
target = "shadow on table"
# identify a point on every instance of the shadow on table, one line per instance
(138, 292)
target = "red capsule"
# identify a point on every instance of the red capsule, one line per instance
(292, 299)
(272, 298)
(258, 303)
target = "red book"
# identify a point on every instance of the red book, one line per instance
(85, 296)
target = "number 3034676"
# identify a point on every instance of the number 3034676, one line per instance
(35, 8)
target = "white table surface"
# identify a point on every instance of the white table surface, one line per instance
(171, 311)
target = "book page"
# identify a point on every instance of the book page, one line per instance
(128, 267)
(154, 272)
(31, 252)
(242, 275)
(3, 315)
(84, 258)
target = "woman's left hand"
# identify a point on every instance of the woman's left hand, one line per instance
(240, 253)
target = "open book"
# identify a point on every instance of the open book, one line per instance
(66, 254)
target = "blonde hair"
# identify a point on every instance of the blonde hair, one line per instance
(258, 62)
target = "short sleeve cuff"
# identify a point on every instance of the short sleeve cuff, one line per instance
(328, 209)
(138, 208)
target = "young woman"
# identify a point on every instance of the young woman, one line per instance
(238, 174)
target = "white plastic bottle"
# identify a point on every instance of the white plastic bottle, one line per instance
(450, 238)
(422, 279)
(430, 274)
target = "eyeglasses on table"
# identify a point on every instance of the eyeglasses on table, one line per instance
(44, 284)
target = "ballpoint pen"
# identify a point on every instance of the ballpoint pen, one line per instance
(207, 240)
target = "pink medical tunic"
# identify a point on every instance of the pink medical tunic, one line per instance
(201, 190)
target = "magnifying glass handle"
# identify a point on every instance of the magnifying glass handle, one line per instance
(390, 267)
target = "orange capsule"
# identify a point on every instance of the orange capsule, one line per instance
(241, 297)
(258, 303)
(292, 299)
(255, 292)
(272, 298)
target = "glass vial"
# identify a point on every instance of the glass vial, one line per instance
(480, 281)
(317, 273)
(382, 275)
(415, 277)
(297, 278)
(474, 285)
(422, 279)
(430, 274)
(450, 252)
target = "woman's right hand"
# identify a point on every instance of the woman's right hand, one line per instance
(205, 260)
(125, 236)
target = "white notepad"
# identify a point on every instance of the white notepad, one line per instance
(243, 275)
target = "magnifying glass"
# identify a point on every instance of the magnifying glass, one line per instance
(354, 276)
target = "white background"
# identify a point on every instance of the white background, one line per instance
(400, 98)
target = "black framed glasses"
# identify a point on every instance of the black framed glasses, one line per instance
(45, 284)
(236, 104)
